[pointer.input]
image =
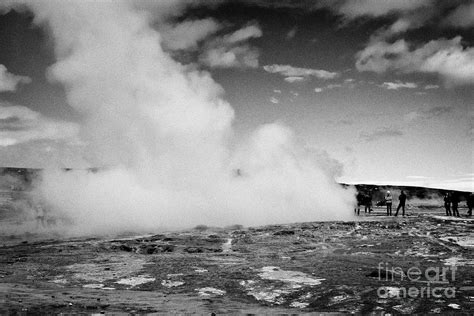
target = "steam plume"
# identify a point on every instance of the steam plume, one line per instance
(162, 134)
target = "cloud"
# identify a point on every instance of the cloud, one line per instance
(297, 74)
(274, 100)
(243, 34)
(294, 79)
(383, 132)
(374, 8)
(9, 81)
(277, 91)
(186, 35)
(19, 124)
(427, 113)
(332, 86)
(225, 57)
(462, 16)
(232, 50)
(431, 86)
(447, 58)
(398, 85)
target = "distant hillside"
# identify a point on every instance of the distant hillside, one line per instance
(22, 178)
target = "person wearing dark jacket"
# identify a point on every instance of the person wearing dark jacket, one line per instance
(360, 201)
(447, 204)
(470, 203)
(455, 202)
(402, 198)
(368, 202)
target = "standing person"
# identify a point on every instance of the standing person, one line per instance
(470, 203)
(360, 201)
(447, 204)
(455, 202)
(368, 202)
(388, 202)
(402, 198)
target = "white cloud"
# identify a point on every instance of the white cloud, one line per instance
(374, 57)
(274, 100)
(382, 132)
(19, 124)
(296, 74)
(398, 85)
(333, 86)
(244, 34)
(294, 79)
(9, 81)
(187, 34)
(447, 58)
(232, 50)
(427, 113)
(431, 86)
(354, 9)
(277, 91)
(462, 16)
(224, 57)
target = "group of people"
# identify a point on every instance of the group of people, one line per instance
(363, 199)
(402, 198)
(451, 203)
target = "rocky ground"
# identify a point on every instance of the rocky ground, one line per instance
(366, 266)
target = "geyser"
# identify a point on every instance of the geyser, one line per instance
(162, 133)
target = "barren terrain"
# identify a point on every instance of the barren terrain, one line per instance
(421, 263)
(294, 268)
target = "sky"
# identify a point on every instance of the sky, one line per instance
(383, 90)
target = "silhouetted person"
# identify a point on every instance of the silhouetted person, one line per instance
(455, 202)
(360, 201)
(368, 202)
(447, 204)
(470, 203)
(402, 198)
(388, 202)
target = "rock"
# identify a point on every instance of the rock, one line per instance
(147, 249)
(125, 248)
(193, 250)
(284, 232)
(166, 248)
